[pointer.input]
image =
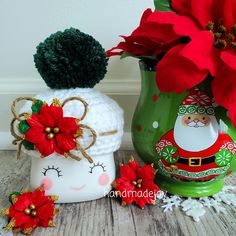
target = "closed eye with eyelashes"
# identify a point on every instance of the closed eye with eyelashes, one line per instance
(95, 165)
(52, 168)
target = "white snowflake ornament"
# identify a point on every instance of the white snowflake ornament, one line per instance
(173, 201)
(193, 208)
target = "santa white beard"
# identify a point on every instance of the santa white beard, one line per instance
(195, 139)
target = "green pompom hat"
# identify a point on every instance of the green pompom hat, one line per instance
(70, 59)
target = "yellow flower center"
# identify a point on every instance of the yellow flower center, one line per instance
(51, 132)
(223, 38)
(137, 183)
(31, 210)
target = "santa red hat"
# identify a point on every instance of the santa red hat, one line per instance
(197, 102)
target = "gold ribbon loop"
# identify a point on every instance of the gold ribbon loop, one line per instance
(17, 100)
(80, 100)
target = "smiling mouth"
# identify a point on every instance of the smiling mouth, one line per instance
(78, 188)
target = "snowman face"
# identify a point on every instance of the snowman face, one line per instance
(71, 180)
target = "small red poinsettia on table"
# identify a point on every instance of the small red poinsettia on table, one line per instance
(190, 40)
(136, 184)
(30, 210)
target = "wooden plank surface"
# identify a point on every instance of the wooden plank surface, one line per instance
(106, 217)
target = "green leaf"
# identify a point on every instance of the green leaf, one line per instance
(162, 5)
(13, 194)
(28, 145)
(23, 126)
(36, 107)
(126, 54)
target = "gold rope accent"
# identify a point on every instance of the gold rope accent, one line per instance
(18, 139)
(84, 153)
(93, 134)
(107, 133)
(4, 211)
(73, 156)
(80, 100)
(10, 225)
(19, 99)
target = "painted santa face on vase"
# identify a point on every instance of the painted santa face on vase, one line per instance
(195, 132)
(71, 180)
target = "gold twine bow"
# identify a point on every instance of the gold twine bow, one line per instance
(19, 138)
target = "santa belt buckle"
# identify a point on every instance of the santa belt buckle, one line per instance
(195, 161)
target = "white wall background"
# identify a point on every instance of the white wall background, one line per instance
(25, 23)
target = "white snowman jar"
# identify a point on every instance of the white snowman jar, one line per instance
(71, 134)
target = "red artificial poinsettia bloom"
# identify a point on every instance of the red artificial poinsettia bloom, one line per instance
(30, 210)
(210, 27)
(196, 40)
(51, 132)
(146, 42)
(136, 184)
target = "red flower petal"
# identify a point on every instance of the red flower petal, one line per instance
(146, 173)
(12, 211)
(46, 147)
(34, 121)
(21, 219)
(200, 10)
(227, 11)
(127, 172)
(224, 90)
(172, 24)
(176, 73)
(35, 135)
(65, 142)
(68, 125)
(50, 115)
(229, 58)
(23, 201)
(46, 211)
(39, 198)
(145, 15)
(33, 223)
(202, 53)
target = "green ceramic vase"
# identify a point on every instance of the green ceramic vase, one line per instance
(186, 167)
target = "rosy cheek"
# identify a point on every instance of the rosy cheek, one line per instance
(47, 183)
(103, 179)
(187, 121)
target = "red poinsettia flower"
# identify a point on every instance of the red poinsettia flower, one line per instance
(50, 131)
(211, 49)
(136, 184)
(30, 210)
(197, 39)
(145, 41)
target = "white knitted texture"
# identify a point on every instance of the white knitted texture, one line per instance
(104, 115)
